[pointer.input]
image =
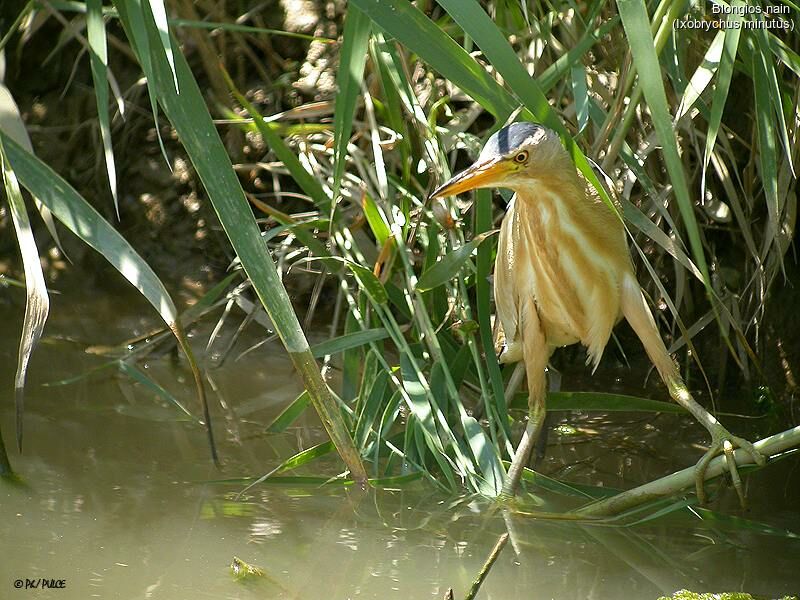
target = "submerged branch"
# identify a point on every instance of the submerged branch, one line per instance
(674, 483)
(487, 566)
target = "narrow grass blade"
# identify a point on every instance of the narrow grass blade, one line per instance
(98, 54)
(472, 17)
(368, 418)
(140, 44)
(85, 222)
(13, 27)
(724, 74)
(111, 364)
(767, 151)
(369, 282)
(310, 480)
(11, 122)
(580, 93)
(208, 299)
(702, 75)
(566, 489)
(656, 509)
(418, 403)
(348, 341)
(37, 304)
(304, 457)
(376, 219)
(235, 27)
(485, 455)
(5, 465)
(715, 519)
(484, 264)
(488, 479)
(137, 375)
(410, 26)
(775, 95)
(159, 12)
(352, 58)
(553, 74)
(190, 117)
(290, 414)
(600, 401)
(637, 218)
(295, 461)
(307, 182)
(366, 279)
(785, 54)
(448, 267)
(637, 29)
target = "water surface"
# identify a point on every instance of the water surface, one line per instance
(118, 497)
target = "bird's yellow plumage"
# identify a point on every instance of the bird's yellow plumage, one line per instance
(563, 275)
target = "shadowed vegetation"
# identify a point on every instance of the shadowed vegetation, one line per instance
(326, 142)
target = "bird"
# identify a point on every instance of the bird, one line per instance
(563, 275)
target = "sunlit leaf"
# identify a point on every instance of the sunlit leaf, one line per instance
(37, 304)
(96, 33)
(580, 93)
(159, 12)
(703, 75)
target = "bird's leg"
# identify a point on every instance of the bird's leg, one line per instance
(641, 319)
(536, 354)
(523, 453)
(721, 441)
(553, 385)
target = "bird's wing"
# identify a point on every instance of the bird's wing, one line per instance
(505, 292)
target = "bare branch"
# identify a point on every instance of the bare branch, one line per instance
(674, 483)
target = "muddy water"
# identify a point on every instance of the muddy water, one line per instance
(118, 498)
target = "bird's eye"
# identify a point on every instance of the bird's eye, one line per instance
(522, 157)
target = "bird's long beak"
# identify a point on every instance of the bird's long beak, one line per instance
(479, 175)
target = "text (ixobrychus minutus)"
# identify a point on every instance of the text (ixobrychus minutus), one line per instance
(563, 275)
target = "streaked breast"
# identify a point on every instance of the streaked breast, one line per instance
(571, 256)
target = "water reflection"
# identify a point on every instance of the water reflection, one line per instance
(115, 500)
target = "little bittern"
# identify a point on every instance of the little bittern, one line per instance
(563, 274)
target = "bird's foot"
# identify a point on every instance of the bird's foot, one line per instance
(723, 442)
